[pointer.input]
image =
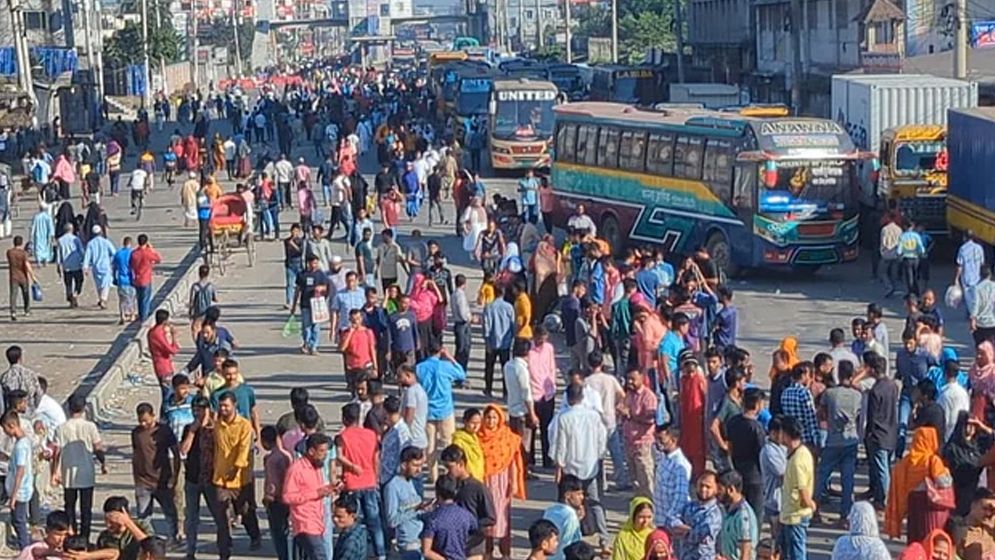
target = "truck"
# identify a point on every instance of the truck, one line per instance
(711, 96)
(971, 148)
(902, 119)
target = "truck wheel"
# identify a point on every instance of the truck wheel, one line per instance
(721, 253)
(611, 233)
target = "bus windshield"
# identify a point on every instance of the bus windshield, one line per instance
(916, 158)
(790, 188)
(473, 96)
(524, 114)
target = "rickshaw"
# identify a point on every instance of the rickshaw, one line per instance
(230, 229)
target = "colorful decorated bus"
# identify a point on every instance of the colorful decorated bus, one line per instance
(521, 123)
(756, 191)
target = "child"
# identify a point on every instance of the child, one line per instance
(275, 465)
(20, 477)
(352, 541)
(486, 293)
(390, 301)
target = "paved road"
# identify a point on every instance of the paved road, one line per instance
(772, 306)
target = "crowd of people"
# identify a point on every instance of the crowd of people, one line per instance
(651, 395)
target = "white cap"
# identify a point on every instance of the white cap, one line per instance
(336, 259)
(96, 229)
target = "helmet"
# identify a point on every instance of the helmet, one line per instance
(553, 323)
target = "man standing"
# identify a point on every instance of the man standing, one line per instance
(522, 418)
(528, 188)
(233, 487)
(890, 234)
(499, 333)
(840, 352)
(403, 505)
(970, 262)
(352, 297)
(542, 376)
(462, 317)
(437, 374)
(18, 377)
(70, 264)
(197, 445)
(143, 260)
(638, 414)
(982, 312)
(414, 410)
(746, 439)
(841, 407)
(701, 521)
(19, 484)
(78, 443)
(304, 492)
(740, 532)
(578, 444)
(797, 505)
(389, 259)
(672, 478)
(155, 466)
(359, 350)
(21, 276)
(358, 454)
(472, 496)
(283, 171)
(275, 466)
(881, 431)
(797, 401)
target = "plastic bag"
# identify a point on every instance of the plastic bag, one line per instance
(292, 327)
(954, 296)
(36, 293)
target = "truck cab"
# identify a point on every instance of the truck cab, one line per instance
(913, 172)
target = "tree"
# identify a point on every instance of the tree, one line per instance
(642, 24)
(126, 45)
(220, 34)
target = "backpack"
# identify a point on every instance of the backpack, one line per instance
(202, 299)
(36, 172)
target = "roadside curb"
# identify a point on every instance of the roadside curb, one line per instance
(174, 300)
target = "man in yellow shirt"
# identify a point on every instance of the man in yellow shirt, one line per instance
(233, 475)
(797, 505)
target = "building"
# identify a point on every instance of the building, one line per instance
(836, 36)
(521, 18)
(720, 33)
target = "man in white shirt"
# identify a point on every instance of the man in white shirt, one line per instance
(522, 418)
(578, 445)
(970, 260)
(49, 411)
(136, 184)
(889, 253)
(283, 173)
(610, 393)
(581, 221)
(953, 398)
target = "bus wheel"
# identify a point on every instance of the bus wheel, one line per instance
(610, 232)
(719, 249)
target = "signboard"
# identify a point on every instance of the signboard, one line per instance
(983, 34)
(637, 74)
(475, 85)
(881, 62)
(789, 126)
(526, 95)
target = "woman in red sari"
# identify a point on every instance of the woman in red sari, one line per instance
(692, 412)
(191, 153)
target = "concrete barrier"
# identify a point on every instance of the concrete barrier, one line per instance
(99, 398)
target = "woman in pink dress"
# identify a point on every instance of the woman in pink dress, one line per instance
(424, 297)
(390, 209)
(648, 331)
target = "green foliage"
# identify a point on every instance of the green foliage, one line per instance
(220, 34)
(126, 45)
(641, 24)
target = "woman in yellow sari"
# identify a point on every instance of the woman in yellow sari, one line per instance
(504, 475)
(630, 543)
(218, 152)
(907, 495)
(466, 439)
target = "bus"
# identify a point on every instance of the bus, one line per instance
(637, 85)
(472, 95)
(570, 79)
(756, 192)
(444, 81)
(520, 119)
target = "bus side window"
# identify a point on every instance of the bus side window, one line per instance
(587, 144)
(660, 154)
(607, 152)
(632, 150)
(565, 137)
(717, 171)
(744, 185)
(680, 153)
(693, 148)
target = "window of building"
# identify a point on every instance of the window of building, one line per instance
(632, 151)
(660, 154)
(529, 15)
(884, 33)
(717, 170)
(607, 147)
(35, 21)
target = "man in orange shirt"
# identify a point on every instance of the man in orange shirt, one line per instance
(359, 350)
(143, 259)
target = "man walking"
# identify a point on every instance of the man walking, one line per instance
(70, 264)
(797, 505)
(143, 260)
(499, 333)
(20, 275)
(233, 486)
(841, 406)
(155, 466)
(78, 442)
(970, 262)
(436, 375)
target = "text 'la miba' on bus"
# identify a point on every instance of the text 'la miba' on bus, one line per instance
(520, 122)
(638, 85)
(757, 192)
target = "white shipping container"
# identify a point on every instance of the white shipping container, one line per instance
(712, 96)
(868, 104)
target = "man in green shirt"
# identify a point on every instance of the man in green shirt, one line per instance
(123, 533)
(740, 532)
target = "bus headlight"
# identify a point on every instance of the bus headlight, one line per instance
(500, 150)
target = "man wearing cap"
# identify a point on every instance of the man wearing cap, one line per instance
(97, 259)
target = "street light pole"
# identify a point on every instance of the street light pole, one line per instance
(147, 97)
(614, 31)
(566, 13)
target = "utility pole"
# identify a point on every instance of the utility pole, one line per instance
(238, 49)
(24, 82)
(147, 97)
(615, 31)
(796, 56)
(679, 23)
(521, 23)
(162, 59)
(566, 13)
(538, 24)
(195, 47)
(960, 40)
(88, 38)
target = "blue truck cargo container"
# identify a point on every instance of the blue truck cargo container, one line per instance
(971, 147)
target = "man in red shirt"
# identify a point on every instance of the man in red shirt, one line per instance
(162, 348)
(359, 457)
(143, 259)
(358, 345)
